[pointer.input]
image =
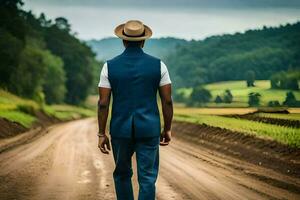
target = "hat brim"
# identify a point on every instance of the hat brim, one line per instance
(120, 34)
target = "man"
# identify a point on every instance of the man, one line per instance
(134, 78)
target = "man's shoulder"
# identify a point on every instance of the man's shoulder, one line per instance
(151, 57)
(146, 55)
(116, 58)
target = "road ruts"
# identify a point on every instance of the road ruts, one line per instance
(65, 163)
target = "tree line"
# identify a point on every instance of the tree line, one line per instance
(201, 96)
(42, 58)
(257, 53)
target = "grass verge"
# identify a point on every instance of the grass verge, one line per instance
(67, 112)
(23, 111)
(292, 116)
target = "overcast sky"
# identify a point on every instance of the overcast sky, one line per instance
(189, 19)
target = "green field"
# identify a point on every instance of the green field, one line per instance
(240, 93)
(216, 117)
(23, 111)
(291, 116)
(282, 134)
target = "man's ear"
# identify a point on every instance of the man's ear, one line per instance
(125, 43)
(142, 43)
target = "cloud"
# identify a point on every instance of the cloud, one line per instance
(171, 3)
(97, 19)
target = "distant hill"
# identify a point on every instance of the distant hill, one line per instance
(227, 57)
(264, 52)
(109, 47)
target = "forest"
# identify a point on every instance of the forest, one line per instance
(270, 53)
(42, 59)
(259, 53)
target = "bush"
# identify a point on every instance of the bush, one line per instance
(254, 99)
(179, 96)
(200, 96)
(274, 103)
(40, 99)
(227, 96)
(290, 100)
(218, 99)
(28, 109)
(285, 80)
(250, 78)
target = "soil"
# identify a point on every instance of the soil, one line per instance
(201, 162)
(44, 120)
(9, 129)
(258, 151)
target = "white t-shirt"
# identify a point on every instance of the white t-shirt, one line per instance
(164, 80)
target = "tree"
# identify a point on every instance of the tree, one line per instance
(229, 57)
(285, 80)
(11, 18)
(290, 100)
(54, 86)
(180, 96)
(200, 96)
(35, 49)
(11, 3)
(250, 78)
(62, 24)
(275, 80)
(254, 99)
(43, 20)
(218, 99)
(12, 39)
(227, 97)
(291, 80)
(79, 63)
(274, 103)
(11, 48)
(27, 80)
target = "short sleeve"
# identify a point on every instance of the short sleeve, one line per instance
(104, 82)
(165, 78)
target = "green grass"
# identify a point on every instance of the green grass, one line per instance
(22, 111)
(285, 135)
(12, 108)
(15, 116)
(292, 116)
(10, 101)
(240, 92)
(212, 111)
(67, 112)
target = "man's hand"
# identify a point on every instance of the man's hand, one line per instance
(167, 110)
(165, 138)
(103, 144)
(103, 109)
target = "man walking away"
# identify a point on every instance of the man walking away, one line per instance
(133, 78)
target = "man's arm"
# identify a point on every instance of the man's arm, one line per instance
(165, 93)
(103, 109)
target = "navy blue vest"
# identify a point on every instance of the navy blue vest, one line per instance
(134, 77)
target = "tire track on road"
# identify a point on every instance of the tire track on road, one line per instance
(66, 163)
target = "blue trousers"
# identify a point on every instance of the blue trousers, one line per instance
(147, 156)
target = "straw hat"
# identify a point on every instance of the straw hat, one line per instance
(133, 30)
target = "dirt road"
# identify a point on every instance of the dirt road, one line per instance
(65, 163)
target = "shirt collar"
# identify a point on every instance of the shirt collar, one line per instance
(133, 50)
